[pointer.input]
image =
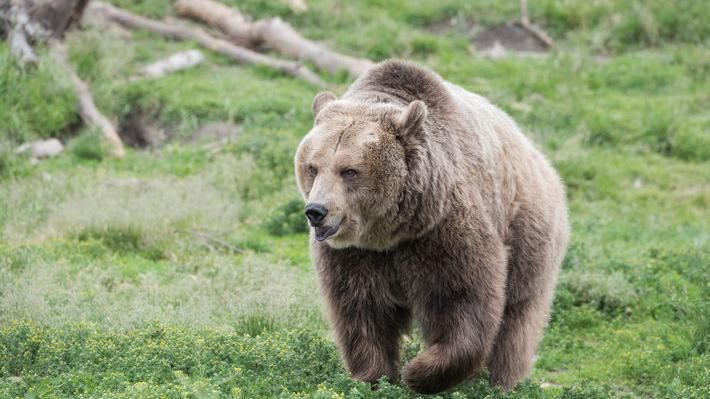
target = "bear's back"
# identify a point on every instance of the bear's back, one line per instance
(401, 82)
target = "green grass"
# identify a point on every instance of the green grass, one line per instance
(35, 103)
(184, 272)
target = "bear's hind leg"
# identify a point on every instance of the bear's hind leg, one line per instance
(537, 246)
(514, 350)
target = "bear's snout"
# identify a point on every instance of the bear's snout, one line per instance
(315, 213)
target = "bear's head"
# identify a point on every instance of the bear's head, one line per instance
(351, 169)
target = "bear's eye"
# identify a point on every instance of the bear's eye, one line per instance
(348, 173)
(312, 171)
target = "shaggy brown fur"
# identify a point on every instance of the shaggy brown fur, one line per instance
(428, 204)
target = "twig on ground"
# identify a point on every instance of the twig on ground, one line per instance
(177, 32)
(272, 32)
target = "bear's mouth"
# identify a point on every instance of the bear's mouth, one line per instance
(323, 232)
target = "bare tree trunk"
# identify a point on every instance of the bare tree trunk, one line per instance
(272, 32)
(30, 21)
(56, 16)
(87, 108)
(19, 38)
(177, 32)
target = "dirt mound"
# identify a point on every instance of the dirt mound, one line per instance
(512, 37)
(140, 128)
(494, 41)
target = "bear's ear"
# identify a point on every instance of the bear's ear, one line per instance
(412, 118)
(320, 100)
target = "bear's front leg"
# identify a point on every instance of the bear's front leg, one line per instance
(366, 310)
(457, 291)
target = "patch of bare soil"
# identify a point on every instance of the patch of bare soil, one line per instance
(140, 129)
(512, 37)
(495, 41)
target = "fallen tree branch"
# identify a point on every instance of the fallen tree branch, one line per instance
(532, 28)
(177, 32)
(217, 15)
(538, 33)
(87, 108)
(175, 62)
(272, 32)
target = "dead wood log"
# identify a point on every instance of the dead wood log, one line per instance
(217, 15)
(175, 62)
(272, 32)
(56, 16)
(538, 33)
(31, 21)
(52, 17)
(41, 19)
(178, 32)
(87, 108)
(19, 38)
(41, 148)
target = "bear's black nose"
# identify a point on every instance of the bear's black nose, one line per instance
(315, 213)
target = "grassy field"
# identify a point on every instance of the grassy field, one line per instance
(180, 271)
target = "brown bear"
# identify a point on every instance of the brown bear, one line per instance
(427, 203)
